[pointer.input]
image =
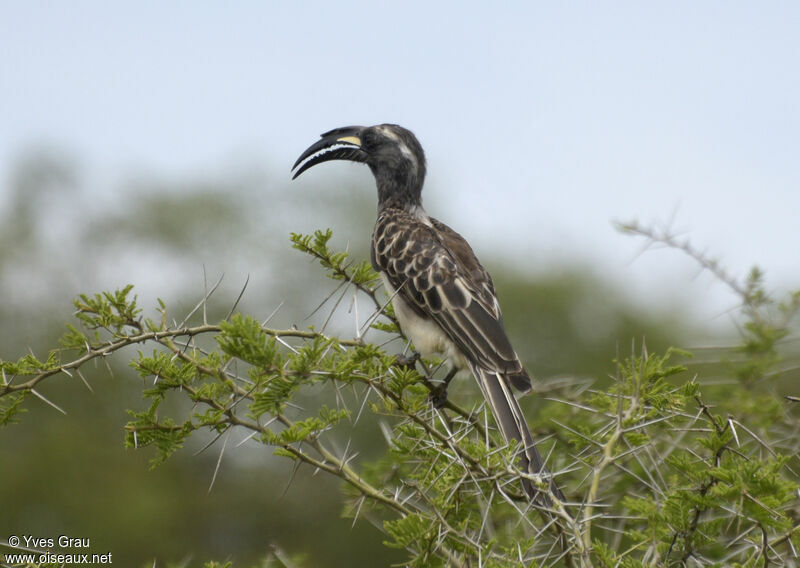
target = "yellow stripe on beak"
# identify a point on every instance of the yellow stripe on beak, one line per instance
(350, 140)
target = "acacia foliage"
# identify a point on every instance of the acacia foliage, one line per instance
(660, 467)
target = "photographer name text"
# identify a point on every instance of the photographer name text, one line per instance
(38, 550)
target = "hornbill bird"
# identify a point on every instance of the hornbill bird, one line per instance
(443, 297)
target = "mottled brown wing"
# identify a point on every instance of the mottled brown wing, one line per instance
(435, 271)
(470, 267)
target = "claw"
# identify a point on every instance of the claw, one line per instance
(406, 360)
(438, 396)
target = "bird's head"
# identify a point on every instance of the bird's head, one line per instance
(393, 154)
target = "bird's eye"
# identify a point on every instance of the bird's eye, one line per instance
(369, 138)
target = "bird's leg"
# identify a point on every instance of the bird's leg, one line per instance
(438, 395)
(408, 361)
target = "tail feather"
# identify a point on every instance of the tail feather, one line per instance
(513, 426)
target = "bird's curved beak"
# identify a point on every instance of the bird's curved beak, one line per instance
(339, 144)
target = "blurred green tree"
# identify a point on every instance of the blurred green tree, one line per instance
(72, 476)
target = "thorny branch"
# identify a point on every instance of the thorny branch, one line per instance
(617, 441)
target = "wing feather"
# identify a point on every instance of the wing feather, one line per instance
(436, 272)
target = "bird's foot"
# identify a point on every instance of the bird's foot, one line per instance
(408, 361)
(438, 396)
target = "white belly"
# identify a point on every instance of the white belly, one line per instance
(426, 335)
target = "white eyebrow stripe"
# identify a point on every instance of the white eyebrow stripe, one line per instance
(404, 149)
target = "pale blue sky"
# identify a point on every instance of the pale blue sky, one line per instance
(542, 121)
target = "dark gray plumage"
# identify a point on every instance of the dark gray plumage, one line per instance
(443, 297)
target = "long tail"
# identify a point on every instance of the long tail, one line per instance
(513, 426)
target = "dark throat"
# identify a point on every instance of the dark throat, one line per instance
(399, 188)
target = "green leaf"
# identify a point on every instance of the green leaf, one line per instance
(11, 405)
